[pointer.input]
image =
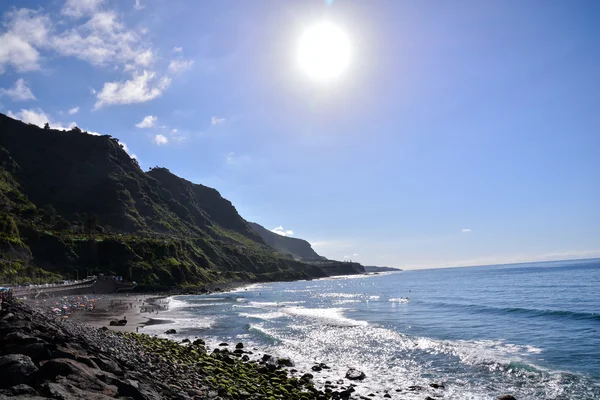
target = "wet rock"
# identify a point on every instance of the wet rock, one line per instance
(507, 397)
(245, 358)
(266, 357)
(170, 332)
(316, 368)
(239, 346)
(415, 388)
(437, 385)
(16, 368)
(354, 374)
(185, 341)
(223, 344)
(324, 366)
(387, 395)
(198, 342)
(307, 377)
(285, 362)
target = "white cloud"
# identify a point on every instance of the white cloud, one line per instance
(124, 146)
(142, 87)
(177, 66)
(19, 92)
(177, 49)
(80, 8)
(466, 230)
(174, 131)
(73, 110)
(104, 41)
(283, 232)
(147, 122)
(355, 255)
(160, 140)
(25, 30)
(39, 118)
(216, 120)
(137, 5)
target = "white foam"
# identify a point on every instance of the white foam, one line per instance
(399, 300)
(328, 316)
(266, 316)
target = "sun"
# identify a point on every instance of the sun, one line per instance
(324, 51)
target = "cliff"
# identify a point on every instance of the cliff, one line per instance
(296, 248)
(73, 203)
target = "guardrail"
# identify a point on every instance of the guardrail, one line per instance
(36, 290)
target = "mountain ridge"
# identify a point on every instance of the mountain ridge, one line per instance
(74, 203)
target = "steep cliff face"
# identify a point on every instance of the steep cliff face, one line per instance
(297, 248)
(72, 202)
(203, 205)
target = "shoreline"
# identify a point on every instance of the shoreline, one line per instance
(62, 358)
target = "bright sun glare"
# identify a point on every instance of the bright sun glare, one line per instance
(324, 51)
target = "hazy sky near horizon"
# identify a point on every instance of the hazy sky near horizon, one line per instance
(460, 133)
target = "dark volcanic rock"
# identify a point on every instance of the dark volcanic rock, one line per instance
(506, 397)
(285, 362)
(354, 374)
(239, 346)
(15, 368)
(171, 332)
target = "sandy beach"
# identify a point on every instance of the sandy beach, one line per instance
(139, 310)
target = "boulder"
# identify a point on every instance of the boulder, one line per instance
(355, 375)
(507, 397)
(285, 362)
(316, 368)
(15, 368)
(223, 344)
(239, 346)
(170, 332)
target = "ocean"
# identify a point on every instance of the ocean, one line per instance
(529, 330)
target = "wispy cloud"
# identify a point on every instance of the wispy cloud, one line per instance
(141, 88)
(178, 66)
(214, 120)
(234, 159)
(137, 5)
(466, 230)
(19, 92)
(177, 49)
(73, 110)
(283, 232)
(90, 32)
(80, 8)
(160, 140)
(147, 122)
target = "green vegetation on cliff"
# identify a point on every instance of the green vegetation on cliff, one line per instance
(73, 203)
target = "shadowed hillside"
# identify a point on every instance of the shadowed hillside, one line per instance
(297, 248)
(77, 203)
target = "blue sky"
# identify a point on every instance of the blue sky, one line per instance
(461, 133)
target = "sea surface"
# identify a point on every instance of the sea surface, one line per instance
(530, 330)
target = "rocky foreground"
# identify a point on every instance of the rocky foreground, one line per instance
(43, 358)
